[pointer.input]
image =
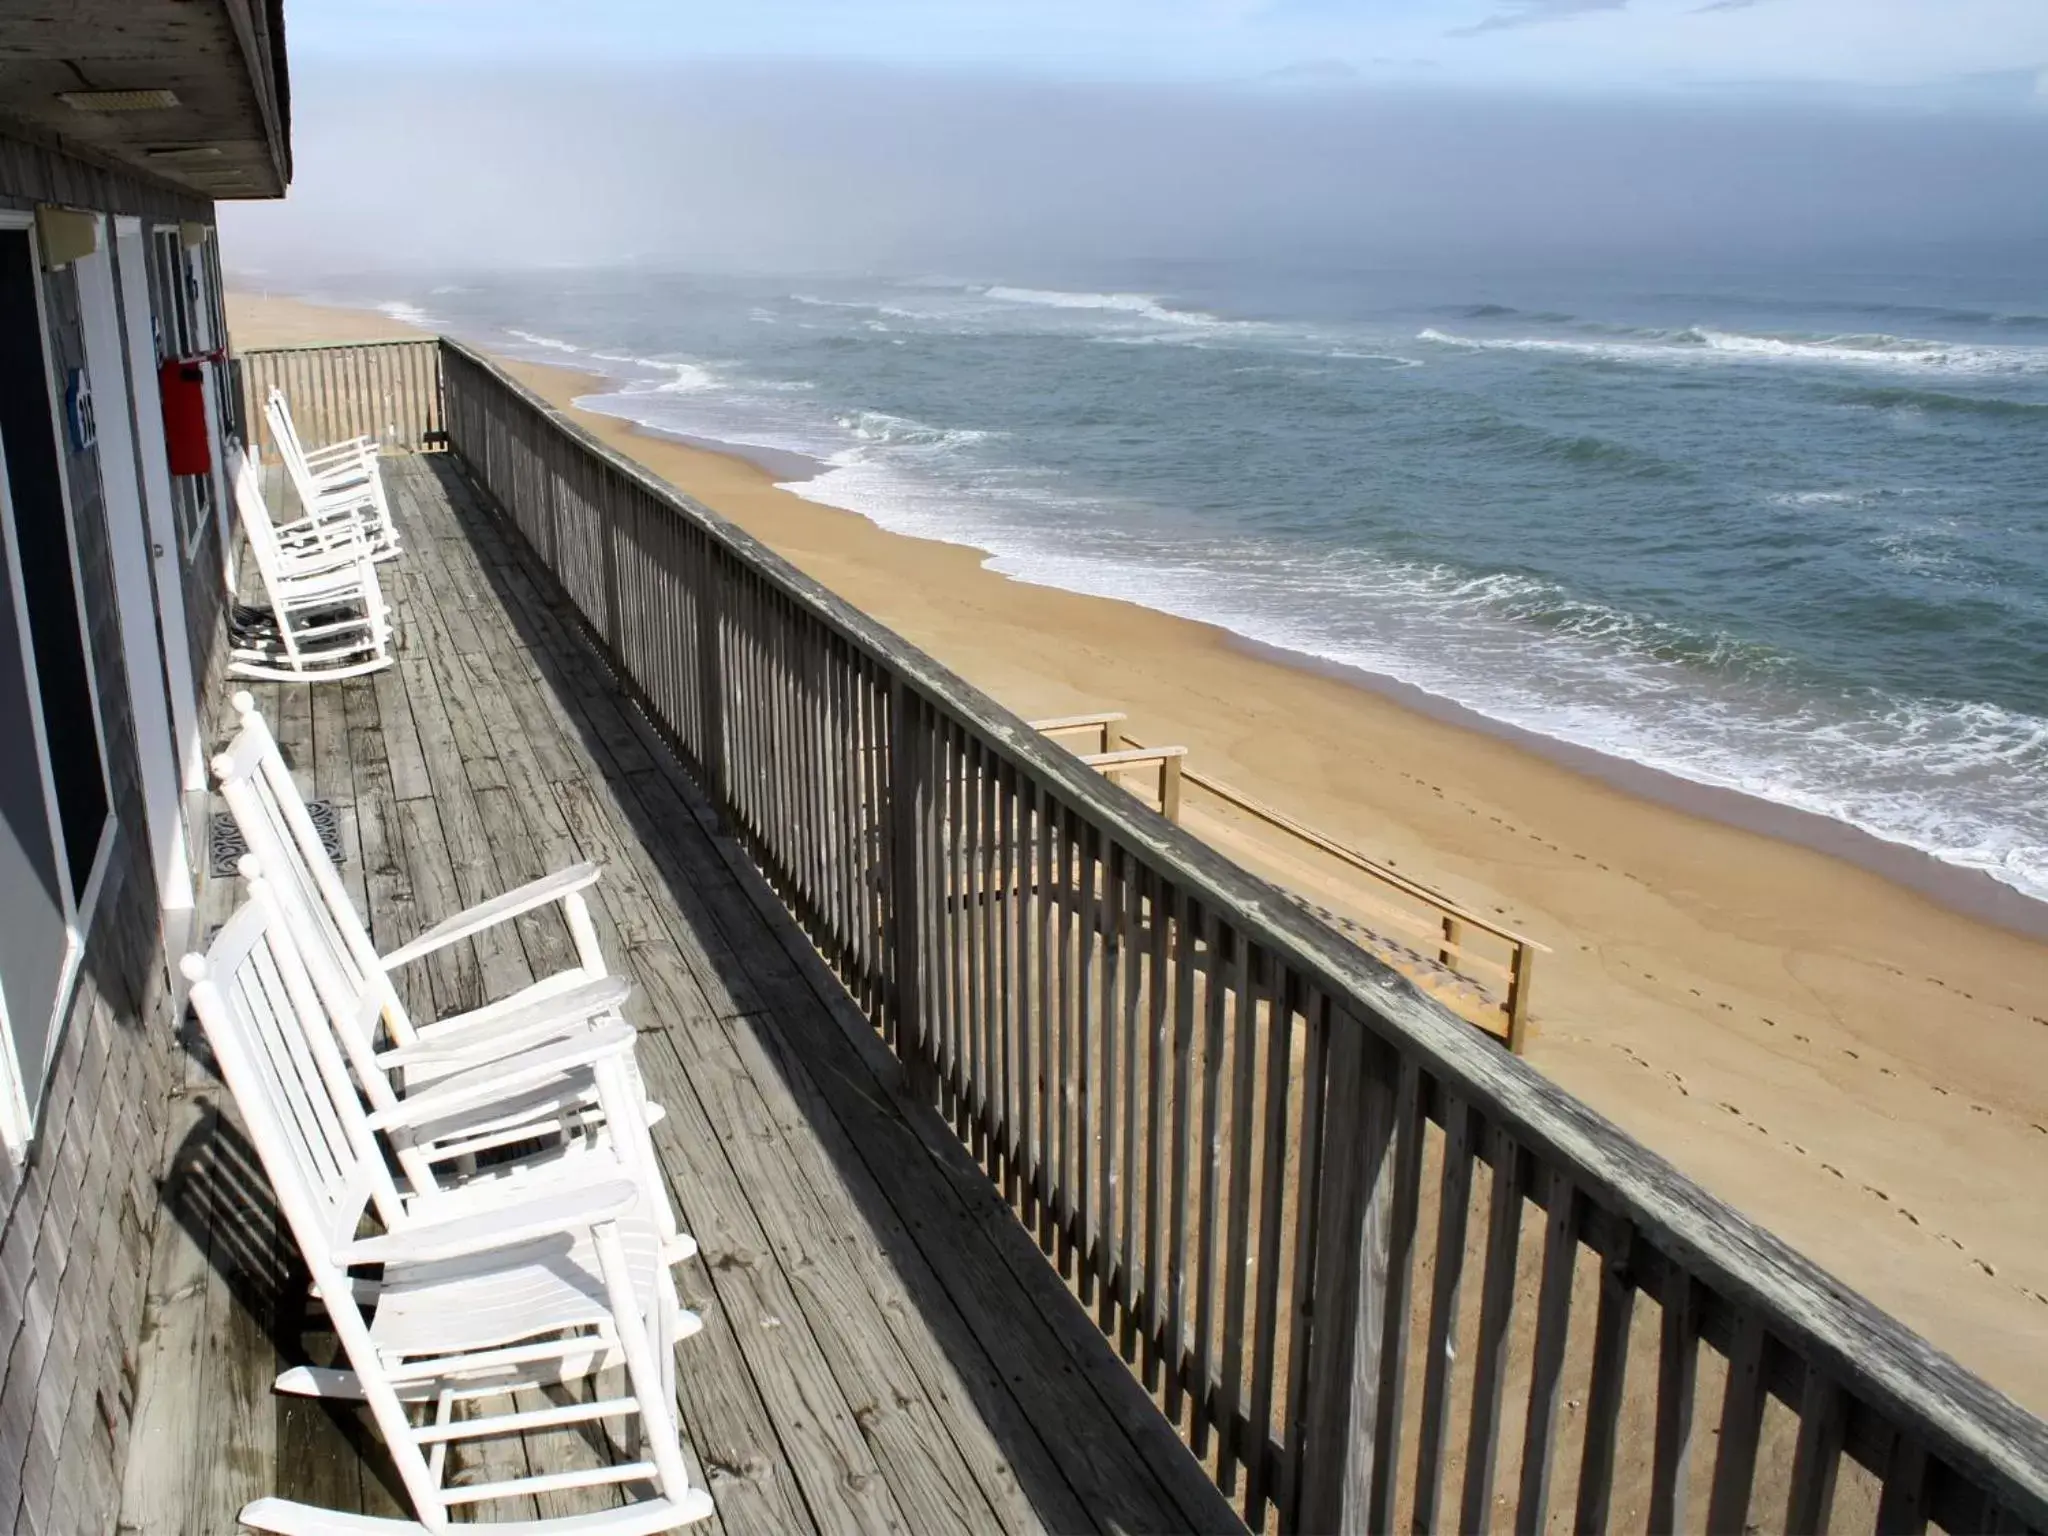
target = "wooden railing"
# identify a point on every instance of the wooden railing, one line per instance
(388, 391)
(1252, 1149)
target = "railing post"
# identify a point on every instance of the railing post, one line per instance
(711, 682)
(1518, 996)
(1355, 1242)
(908, 793)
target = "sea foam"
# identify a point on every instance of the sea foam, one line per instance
(548, 343)
(1145, 305)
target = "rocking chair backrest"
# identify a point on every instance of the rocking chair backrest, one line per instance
(277, 410)
(263, 1018)
(260, 531)
(269, 554)
(339, 957)
(256, 1004)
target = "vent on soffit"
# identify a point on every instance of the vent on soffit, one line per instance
(195, 155)
(119, 101)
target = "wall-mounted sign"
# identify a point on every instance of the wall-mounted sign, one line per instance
(78, 423)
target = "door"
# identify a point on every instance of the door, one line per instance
(56, 802)
(119, 427)
(159, 505)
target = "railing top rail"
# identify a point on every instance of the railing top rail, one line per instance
(1961, 1417)
(1279, 818)
(339, 346)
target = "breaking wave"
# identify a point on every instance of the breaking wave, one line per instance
(1148, 306)
(1700, 344)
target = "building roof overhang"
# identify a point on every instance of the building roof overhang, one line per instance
(194, 93)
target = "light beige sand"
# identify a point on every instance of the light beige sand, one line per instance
(1861, 1069)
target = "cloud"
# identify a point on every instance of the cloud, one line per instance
(1531, 13)
(1314, 72)
(1723, 5)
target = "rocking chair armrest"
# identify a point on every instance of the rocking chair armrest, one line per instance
(564, 1213)
(503, 1033)
(488, 914)
(500, 1079)
(359, 446)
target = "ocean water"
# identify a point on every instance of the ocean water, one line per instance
(1780, 532)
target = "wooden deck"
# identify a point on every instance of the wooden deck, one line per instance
(885, 1348)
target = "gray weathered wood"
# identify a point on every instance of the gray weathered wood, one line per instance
(1454, 1202)
(1497, 1300)
(1354, 1267)
(1817, 1457)
(1553, 1317)
(1742, 1416)
(1604, 1394)
(1677, 1372)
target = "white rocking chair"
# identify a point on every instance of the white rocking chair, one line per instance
(356, 988)
(537, 1290)
(341, 531)
(341, 480)
(328, 611)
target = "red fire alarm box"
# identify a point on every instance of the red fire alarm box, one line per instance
(182, 383)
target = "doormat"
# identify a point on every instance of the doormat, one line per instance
(226, 845)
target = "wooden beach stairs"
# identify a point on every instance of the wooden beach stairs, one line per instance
(1480, 969)
(1053, 1171)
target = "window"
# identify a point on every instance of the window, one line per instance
(56, 823)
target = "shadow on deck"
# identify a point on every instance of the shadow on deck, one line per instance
(885, 1348)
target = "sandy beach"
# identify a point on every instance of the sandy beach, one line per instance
(1847, 1043)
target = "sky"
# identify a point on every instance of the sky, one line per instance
(1014, 135)
(1994, 50)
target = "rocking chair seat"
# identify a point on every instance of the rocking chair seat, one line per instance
(453, 1306)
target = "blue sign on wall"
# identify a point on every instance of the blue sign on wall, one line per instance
(78, 422)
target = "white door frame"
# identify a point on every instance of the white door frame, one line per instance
(24, 1081)
(161, 519)
(119, 430)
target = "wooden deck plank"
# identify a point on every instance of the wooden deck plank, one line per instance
(752, 911)
(813, 1228)
(884, 1349)
(672, 831)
